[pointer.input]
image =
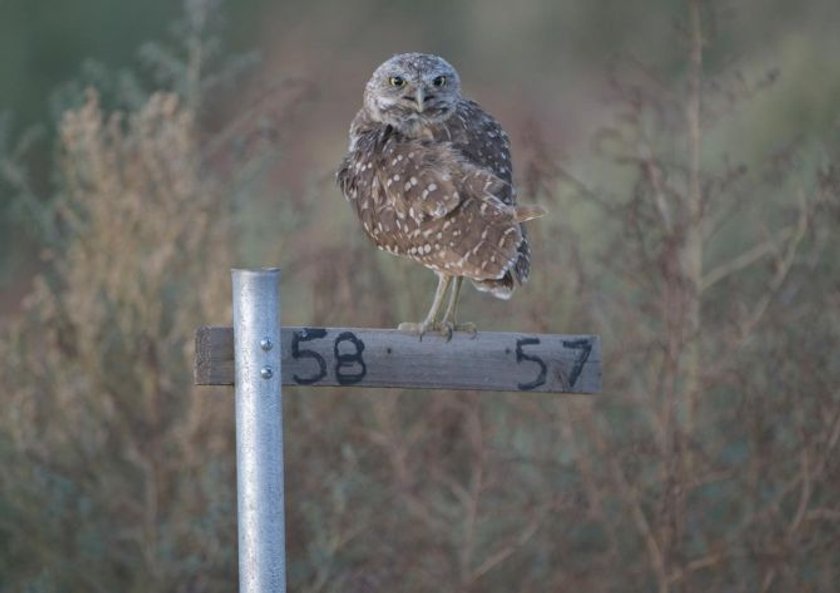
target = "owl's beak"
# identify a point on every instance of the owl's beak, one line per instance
(420, 97)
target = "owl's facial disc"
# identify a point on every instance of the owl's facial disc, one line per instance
(411, 89)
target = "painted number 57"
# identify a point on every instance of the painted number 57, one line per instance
(583, 347)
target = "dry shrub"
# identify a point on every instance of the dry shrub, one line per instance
(117, 462)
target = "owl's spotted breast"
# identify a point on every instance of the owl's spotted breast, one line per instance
(424, 199)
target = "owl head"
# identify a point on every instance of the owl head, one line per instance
(411, 90)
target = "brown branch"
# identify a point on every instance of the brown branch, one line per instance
(653, 172)
(745, 260)
(707, 561)
(783, 267)
(508, 549)
(692, 252)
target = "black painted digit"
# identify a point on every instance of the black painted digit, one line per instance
(585, 347)
(305, 335)
(520, 356)
(349, 360)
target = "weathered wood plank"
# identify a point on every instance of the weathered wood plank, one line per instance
(353, 357)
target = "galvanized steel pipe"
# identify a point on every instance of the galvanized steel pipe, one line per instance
(259, 431)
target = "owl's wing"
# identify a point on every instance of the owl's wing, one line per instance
(426, 180)
(481, 141)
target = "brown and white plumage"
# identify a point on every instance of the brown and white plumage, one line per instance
(429, 175)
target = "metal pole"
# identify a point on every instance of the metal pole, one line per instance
(259, 431)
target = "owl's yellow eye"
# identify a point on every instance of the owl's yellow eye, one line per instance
(397, 81)
(439, 81)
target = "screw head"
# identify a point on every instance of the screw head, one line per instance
(266, 344)
(266, 373)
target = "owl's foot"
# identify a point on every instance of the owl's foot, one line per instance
(445, 328)
(418, 329)
(449, 327)
(448, 323)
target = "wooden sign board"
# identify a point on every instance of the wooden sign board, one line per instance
(350, 357)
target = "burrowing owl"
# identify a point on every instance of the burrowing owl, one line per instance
(429, 175)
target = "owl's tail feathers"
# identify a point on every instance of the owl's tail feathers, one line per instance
(517, 273)
(501, 288)
(520, 266)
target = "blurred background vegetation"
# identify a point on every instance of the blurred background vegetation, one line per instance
(688, 155)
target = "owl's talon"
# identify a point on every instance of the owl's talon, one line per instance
(468, 327)
(448, 329)
(417, 329)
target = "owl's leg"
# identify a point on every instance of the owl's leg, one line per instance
(448, 323)
(444, 280)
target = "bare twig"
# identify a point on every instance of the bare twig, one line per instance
(749, 257)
